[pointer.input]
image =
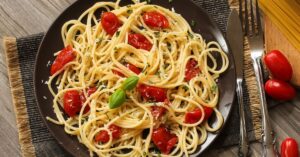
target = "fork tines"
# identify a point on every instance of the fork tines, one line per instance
(250, 17)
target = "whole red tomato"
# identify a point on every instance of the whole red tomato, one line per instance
(289, 148)
(278, 65)
(279, 90)
(155, 19)
(110, 23)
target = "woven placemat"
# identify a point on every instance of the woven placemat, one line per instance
(35, 140)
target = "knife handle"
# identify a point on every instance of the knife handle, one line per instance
(268, 140)
(243, 146)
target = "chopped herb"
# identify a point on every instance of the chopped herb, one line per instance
(170, 1)
(116, 49)
(129, 11)
(186, 88)
(98, 40)
(157, 34)
(118, 33)
(158, 72)
(166, 65)
(141, 27)
(145, 153)
(190, 35)
(193, 23)
(214, 88)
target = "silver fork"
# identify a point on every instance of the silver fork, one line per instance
(254, 32)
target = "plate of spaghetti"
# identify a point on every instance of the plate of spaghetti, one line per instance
(122, 78)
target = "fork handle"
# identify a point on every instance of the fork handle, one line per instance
(268, 140)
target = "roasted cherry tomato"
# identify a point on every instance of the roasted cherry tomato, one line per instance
(195, 115)
(157, 111)
(72, 102)
(103, 135)
(90, 91)
(130, 67)
(191, 69)
(164, 140)
(278, 65)
(133, 68)
(155, 19)
(151, 93)
(118, 73)
(289, 148)
(139, 41)
(279, 90)
(65, 56)
(110, 23)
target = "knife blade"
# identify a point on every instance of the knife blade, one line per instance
(235, 37)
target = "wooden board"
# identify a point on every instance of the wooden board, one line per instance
(276, 40)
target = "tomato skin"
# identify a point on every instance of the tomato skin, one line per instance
(279, 90)
(110, 23)
(195, 115)
(157, 111)
(72, 103)
(65, 56)
(133, 68)
(139, 41)
(191, 70)
(118, 73)
(278, 65)
(164, 140)
(90, 91)
(155, 19)
(289, 148)
(151, 93)
(103, 135)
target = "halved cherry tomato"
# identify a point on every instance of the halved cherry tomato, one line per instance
(164, 140)
(118, 73)
(130, 67)
(195, 115)
(278, 65)
(103, 135)
(139, 41)
(279, 90)
(90, 91)
(155, 19)
(151, 93)
(191, 69)
(72, 102)
(289, 148)
(157, 111)
(110, 23)
(133, 68)
(65, 56)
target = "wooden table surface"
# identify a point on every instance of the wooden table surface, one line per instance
(24, 17)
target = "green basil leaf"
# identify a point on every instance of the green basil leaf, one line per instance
(117, 99)
(130, 82)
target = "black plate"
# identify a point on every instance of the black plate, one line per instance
(52, 42)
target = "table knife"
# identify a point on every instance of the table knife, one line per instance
(235, 38)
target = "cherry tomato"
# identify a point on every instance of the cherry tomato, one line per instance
(157, 111)
(118, 73)
(103, 135)
(279, 90)
(195, 115)
(72, 102)
(289, 148)
(278, 65)
(133, 68)
(65, 56)
(110, 23)
(139, 41)
(151, 93)
(191, 70)
(155, 19)
(90, 91)
(164, 140)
